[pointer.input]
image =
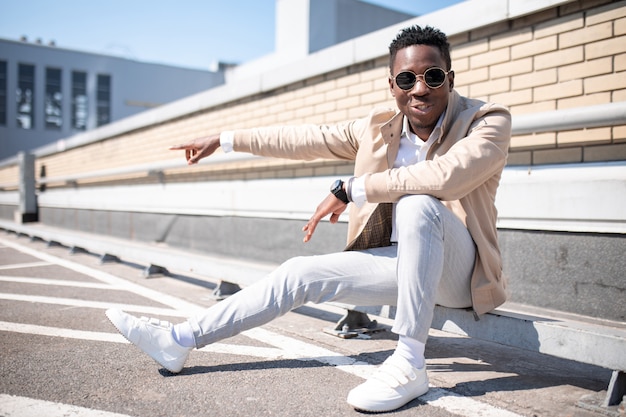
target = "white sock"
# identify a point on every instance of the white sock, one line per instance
(412, 350)
(183, 334)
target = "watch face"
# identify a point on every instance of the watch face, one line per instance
(336, 186)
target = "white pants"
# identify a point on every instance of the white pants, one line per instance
(431, 264)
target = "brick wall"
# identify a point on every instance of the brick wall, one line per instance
(568, 56)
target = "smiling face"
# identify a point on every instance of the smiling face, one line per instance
(421, 105)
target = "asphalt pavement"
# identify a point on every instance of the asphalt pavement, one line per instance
(61, 356)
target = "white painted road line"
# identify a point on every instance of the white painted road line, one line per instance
(12, 406)
(24, 265)
(56, 282)
(102, 305)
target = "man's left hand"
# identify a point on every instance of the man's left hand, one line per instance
(330, 205)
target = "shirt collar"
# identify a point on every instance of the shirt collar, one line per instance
(434, 135)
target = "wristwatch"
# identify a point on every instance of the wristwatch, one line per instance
(338, 191)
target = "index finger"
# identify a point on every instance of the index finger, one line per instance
(183, 146)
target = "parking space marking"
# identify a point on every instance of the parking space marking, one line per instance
(14, 406)
(25, 265)
(56, 282)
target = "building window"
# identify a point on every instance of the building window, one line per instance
(3, 93)
(52, 107)
(79, 100)
(25, 96)
(104, 100)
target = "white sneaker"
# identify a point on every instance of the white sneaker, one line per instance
(393, 385)
(153, 336)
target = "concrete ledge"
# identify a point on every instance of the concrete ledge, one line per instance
(568, 336)
(238, 271)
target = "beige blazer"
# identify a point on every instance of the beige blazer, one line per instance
(462, 170)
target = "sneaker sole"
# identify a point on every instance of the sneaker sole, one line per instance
(378, 408)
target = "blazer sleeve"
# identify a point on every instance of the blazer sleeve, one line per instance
(304, 142)
(307, 142)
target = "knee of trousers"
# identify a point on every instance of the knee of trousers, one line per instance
(294, 271)
(410, 209)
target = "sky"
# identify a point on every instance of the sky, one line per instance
(185, 33)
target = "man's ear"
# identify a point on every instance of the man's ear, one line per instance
(393, 93)
(451, 80)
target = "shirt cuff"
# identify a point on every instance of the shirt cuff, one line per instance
(226, 140)
(357, 191)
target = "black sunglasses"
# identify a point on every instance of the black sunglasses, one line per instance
(432, 77)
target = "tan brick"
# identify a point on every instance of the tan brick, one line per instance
(560, 90)
(560, 25)
(374, 98)
(285, 116)
(619, 27)
(325, 107)
(558, 156)
(277, 108)
(584, 101)
(348, 102)
(534, 79)
(613, 46)
(618, 95)
(619, 133)
(460, 64)
(349, 80)
(361, 88)
(490, 87)
(584, 137)
(519, 158)
(615, 152)
(463, 90)
(471, 77)
(585, 69)
(296, 103)
(469, 49)
(337, 94)
(520, 66)
(536, 107)
(373, 74)
(586, 35)
(381, 84)
(336, 116)
(325, 86)
(513, 97)
(558, 58)
(605, 82)
(315, 119)
(619, 62)
(359, 111)
(533, 141)
(534, 47)
(511, 38)
(304, 91)
(606, 13)
(269, 120)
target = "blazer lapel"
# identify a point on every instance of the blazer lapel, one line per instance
(391, 133)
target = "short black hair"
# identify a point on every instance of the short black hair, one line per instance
(416, 35)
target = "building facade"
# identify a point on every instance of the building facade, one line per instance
(48, 93)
